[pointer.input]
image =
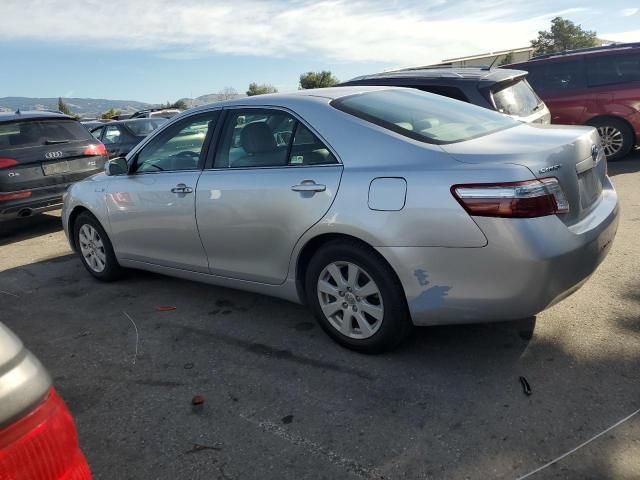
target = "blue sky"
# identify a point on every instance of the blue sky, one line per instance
(158, 50)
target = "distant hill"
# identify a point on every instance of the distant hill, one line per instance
(209, 98)
(86, 107)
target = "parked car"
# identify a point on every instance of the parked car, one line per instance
(505, 91)
(41, 154)
(156, 113)
(596, 86)
(121, 136)
(91, 124)
(38, 438)
(381, 208)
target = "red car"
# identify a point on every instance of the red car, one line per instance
(595, 86)
(38, 438)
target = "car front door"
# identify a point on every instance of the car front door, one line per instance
(272, 179)
(152, 209)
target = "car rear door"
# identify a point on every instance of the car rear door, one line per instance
(152, 209)
(273, 178)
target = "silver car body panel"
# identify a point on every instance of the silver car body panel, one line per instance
(23, 380)
(454, 268)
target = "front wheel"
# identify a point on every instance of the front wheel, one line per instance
(357, 297)
(94, 246)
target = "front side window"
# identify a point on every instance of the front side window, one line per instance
(427, 118)
(111, 135)
(97, 132)
(516, 99)
(179, 147)
(268, 138)
(612, 69)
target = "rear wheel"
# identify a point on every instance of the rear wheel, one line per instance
(616, 135)
(357, 298)
(96, 251)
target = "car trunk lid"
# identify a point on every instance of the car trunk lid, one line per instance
(573, 155)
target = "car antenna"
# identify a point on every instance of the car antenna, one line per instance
(494, 61)
(18, 112)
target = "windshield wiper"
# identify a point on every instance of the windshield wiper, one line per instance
(55, 142)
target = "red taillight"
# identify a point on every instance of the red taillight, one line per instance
(5, 197)
(43, 445)
(95, 149)
(7, 162)
(534, 198)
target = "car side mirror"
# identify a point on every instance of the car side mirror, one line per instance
(116, 166)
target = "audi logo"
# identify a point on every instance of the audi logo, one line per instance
(50, 155)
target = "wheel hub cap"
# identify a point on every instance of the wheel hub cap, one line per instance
(350, 300)
(92, 248)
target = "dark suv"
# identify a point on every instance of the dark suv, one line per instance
(41, 154)
(596, 86)
(505, 91)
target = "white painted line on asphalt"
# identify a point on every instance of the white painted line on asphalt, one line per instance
(136, 327)
(9, 293)
(555, 460)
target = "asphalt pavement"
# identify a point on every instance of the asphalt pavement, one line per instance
(282, 401)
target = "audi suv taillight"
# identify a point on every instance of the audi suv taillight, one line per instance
(43, 445)
(95, 149)
(529, 199)
(7, 162)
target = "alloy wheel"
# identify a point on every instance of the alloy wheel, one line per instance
(92, 248)
(612, 140)
(350, 300)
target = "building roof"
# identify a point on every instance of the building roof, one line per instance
(488, 54)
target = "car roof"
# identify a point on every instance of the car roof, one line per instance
(127, 121)
(280, 99)
(31, 114)
(446, 74)
(614, 47)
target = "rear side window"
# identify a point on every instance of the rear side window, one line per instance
(35, 133)
(612, 69)
(516, 99)
(428, 118)
(555, 77)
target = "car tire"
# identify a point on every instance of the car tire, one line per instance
(95, 249)
(617, 137)
(339, 292)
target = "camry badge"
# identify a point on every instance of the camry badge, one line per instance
(550, 169)
(50, 155)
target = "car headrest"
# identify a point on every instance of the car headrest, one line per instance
(257, 137)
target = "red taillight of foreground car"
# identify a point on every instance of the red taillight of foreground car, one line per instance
(96, 149)
(533, 198)
(7, 162)
(5, 197)
(43, 445)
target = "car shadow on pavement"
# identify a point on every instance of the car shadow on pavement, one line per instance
(25, 228)
(629, 164)
(446, 404)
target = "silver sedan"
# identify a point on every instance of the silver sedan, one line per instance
(380, 208)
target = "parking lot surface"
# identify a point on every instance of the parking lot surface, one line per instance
(282, 401)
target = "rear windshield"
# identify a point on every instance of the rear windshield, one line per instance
(142, 128)
(517, 99)
(34, 133)
(423, 116)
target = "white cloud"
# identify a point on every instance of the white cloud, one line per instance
(631, 36)
(342, 30)
(629, 12)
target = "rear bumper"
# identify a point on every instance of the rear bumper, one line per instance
(41, 200)
(527, 266)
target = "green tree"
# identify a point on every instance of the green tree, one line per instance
(506, 60)
(63, 107)
(109, 114)
(255, 89)
(563, 35)
(180, 105)
(317, 80)
(228, 93)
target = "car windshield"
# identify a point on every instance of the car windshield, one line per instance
(142, 128)
(34, 133)
(517, 99)
(424, 116)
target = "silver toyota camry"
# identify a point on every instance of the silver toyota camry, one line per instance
(380, 208)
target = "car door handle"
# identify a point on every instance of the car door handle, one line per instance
(181, 188)
(309, 186)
